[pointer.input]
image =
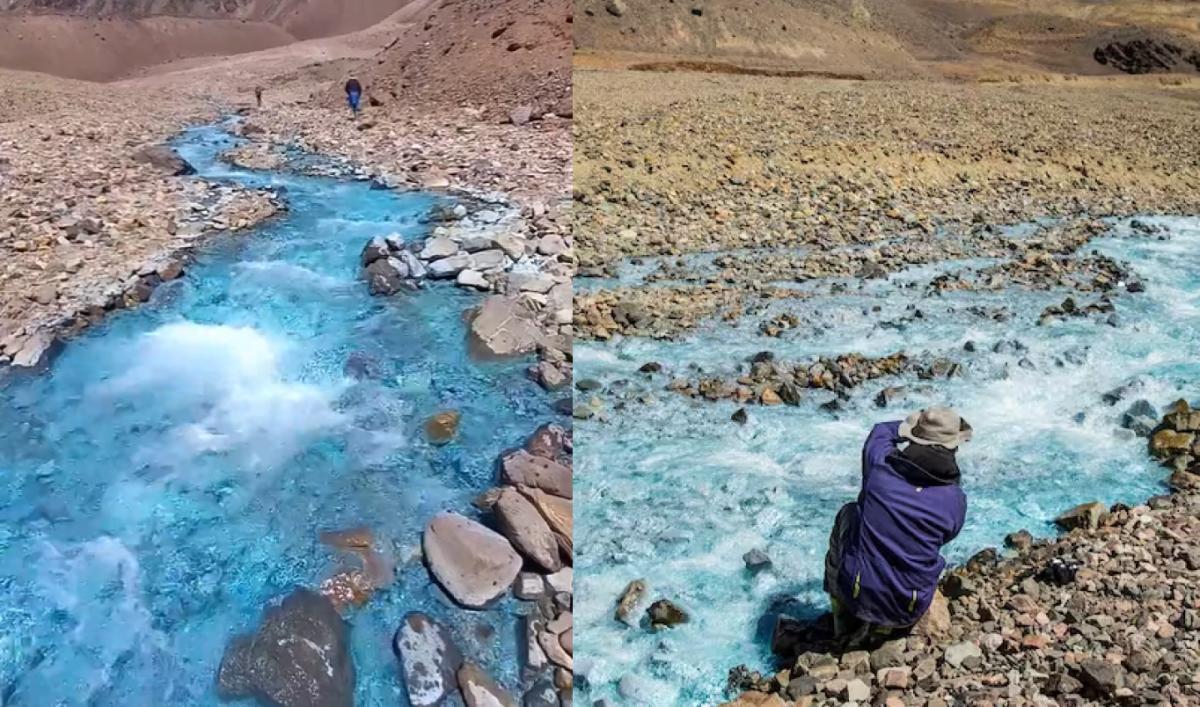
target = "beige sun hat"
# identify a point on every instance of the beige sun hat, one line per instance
(936, 425)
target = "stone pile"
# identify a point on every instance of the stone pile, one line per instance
(1108, 613)
(770, 382)
(520, 258)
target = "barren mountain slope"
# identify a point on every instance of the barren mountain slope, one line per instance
(898, 37)
(101, 40)
(491, 54)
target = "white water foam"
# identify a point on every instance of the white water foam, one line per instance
(224, 389)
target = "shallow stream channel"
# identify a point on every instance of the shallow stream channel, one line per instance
(670, 490)
(169, 474)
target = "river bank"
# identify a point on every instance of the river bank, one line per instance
(1104, 614)
(850, 179)
(92, 218)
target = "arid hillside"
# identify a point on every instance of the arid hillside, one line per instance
(102, 40)
(495, 55)
(897, 38)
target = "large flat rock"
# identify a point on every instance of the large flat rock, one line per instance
(474, 564)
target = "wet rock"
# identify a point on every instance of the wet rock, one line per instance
(528, 531)
(756, 560)
(542, 694)
(298, 657)
(1085, 515)
(480, 690)
(473, 279)
(164, 159)
(1020, 540)
(429, 659)
(887, 396)
(520, 468)
(506, 326)
(634, 594)
(740, 416)
(442, 427)
(665, 614)
(557, 513)
(376, 249)
(1141, 417)
(388, 276)
(529, 586)
(473, 564)
(35, 351)
(446, 268)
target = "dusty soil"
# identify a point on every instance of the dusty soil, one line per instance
(858, 172)
(495, 55)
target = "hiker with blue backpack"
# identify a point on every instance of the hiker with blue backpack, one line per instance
(353, 95)
(884, 560)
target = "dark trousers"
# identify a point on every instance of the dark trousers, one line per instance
(855, 632)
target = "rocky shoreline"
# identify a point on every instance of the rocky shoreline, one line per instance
(68, 252)
(1105, 614)
(528, 554)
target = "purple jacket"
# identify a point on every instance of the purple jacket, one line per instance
(891, 561)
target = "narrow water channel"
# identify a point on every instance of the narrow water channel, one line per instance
(170, 473)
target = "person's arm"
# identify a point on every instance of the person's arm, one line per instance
(959, 521)
(880, 443)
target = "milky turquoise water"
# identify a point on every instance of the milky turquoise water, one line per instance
(675, 493)
(169, 474)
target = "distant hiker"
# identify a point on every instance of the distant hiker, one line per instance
(258, 91)
(353, 94)
(884, 558)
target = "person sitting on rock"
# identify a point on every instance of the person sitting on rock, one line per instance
(884, 558)
(353, 94)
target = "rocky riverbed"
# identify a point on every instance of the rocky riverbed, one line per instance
(1105, 614)
(866, 178)
(95, 210)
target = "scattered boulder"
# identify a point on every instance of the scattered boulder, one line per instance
(429, 659)
(756, 560)
(520, 468)
(525, 527)
(1085, 515)
(164, 159)
(473, 279)
(475, 565)
(665, 614)
(520, 115)
(438, 247)
(963, 654)
(299, 657)
(387, 276)
(506, 326)
(442, 427)
(480, 690)
(627, 604)
(446, 268)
